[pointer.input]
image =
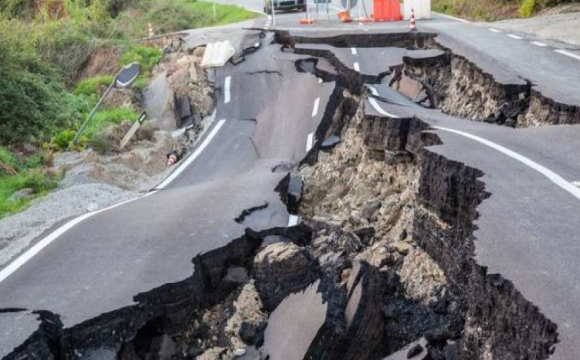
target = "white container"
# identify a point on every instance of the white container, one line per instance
(422, 9)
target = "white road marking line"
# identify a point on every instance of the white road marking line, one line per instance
(315, 108)
(515, 36)
(494, 30)
(30, 253)
(309, 142)
(552, 176)
(356, 66)
(376, 105)
(227, 85)
(540, 44)
(353, 51)
(192, 157)
(39, 246)
(454, 18)
(293, 220)
(567, 53)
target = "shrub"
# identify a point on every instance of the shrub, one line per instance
(527, 9)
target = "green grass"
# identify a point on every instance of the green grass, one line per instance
(147, 56)
(30, 175)
(107, 117)
(226, 14)
(90, 86)
(35, 179)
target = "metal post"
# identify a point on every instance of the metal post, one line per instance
(214, 10)
(84, 125)
(273, 13)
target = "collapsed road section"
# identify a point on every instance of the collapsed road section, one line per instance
(381, 264)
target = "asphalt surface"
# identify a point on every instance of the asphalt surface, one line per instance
(527, 229)
(100, 264)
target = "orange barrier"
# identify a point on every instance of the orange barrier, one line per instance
(387, 10)
(306, 21)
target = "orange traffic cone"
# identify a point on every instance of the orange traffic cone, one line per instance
(151, 32)
(413, 24)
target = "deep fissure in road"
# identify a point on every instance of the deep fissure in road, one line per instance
(383, 258)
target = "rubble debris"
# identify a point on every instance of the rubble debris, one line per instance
(217, 54)
(281, 269)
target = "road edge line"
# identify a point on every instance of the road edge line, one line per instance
(552, 176)
(190, 159)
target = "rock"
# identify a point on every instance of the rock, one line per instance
(369, 209)
(246, 325)
(414, 351)
(237, 274)
(281, 269)
(351, 243)
(440, 335)
(451, 351)
(240, 352)
(366, 234)
(163, 348)
(215, 353)
(21, 195)
(401, 247)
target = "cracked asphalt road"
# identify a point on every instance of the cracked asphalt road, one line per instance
(527, 229)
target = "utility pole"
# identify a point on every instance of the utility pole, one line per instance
(273, 12)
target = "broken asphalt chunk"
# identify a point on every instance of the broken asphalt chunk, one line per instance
(330, 142)
(237, 60)
(290, 190)
(414, 351)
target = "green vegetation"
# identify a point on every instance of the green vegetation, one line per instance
(18, 174)
(147, 56)
(491, 10)
(107, 117)
(44, 49)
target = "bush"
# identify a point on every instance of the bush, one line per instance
(527, 9)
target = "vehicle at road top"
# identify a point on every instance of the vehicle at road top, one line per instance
(284, 5)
